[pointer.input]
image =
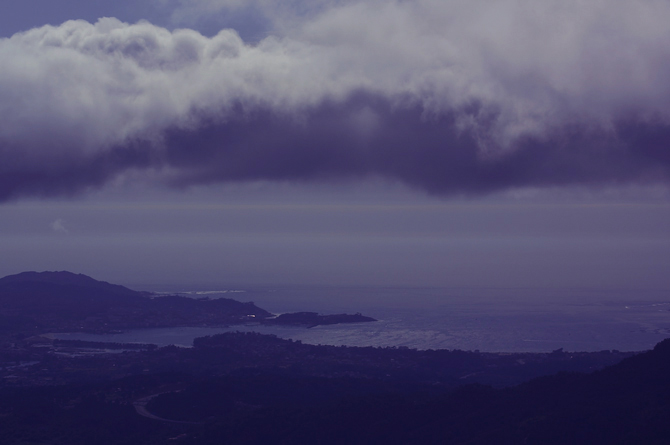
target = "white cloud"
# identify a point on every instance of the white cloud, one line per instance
(81, 87)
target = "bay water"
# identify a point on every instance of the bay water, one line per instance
(484, 319)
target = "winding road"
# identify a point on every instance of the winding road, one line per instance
(141, 409)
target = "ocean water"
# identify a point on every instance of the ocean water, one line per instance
(492, 320)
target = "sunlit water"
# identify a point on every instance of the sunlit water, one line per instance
(513, 320)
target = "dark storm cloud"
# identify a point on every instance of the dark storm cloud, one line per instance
(67, 174)
(450, 97)
(433, 154)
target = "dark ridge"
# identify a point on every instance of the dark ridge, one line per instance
(626, 403)
(65, 278)
(35, 303)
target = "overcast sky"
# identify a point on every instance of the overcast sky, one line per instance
(420, 143)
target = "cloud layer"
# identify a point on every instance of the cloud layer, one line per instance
(450, 97)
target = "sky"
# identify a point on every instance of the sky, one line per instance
(337, 142)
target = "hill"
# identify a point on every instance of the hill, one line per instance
(65, 279)
(290, 401)
(46, 301)
(627, 403)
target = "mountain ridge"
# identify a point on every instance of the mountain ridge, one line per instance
(40, 302)
(65, 278)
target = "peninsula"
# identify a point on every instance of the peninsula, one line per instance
(41, 302)
(312, 319)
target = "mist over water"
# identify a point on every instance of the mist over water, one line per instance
(485, 319)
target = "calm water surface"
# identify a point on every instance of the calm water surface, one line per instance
(513, 320)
